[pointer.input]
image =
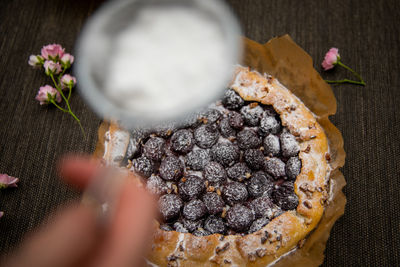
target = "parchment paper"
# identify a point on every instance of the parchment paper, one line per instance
(284, 59)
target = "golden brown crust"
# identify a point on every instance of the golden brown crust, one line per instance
(284, 232)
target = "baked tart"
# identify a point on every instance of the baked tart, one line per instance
(242, 184)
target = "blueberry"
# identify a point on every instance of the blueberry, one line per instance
(226, 129)
(171, 168)
(269, 124)
(201, 232)
(272, 146)
(197, 159)
(210, 116)
(252, 114)
(191, 186)
(215, 225)
(225, 153)
(258, 224)
(260, 184)
(275, 167)
(206, 135)
(248, 138)
(285, 196)
(192, 225)
(170, 206)
(154, 148)
(156, 185)
(194, 210)
(254, 158)
(262, 207)
(182, 141)
(214, 172)
(234, 192)
(289, 145)
(235, 120)
(166, 227)
(238, 172)
(239, 218)
(232, 100)
(213, 202)
(180, 228)
(293, 167)
(143, 166)
(165, 130)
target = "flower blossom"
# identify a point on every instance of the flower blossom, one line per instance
(67, 60)
(8, 181)
(331, 58)
(67, 81)
(35, 61)
(51, 67)
(46, 94)
(52, 52)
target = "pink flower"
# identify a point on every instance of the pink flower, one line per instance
(67, 81)
(8, 181)
(35, 61)
(52, 51)
(67, 60)
(51, 67)
(331, 58)
(47, 93)
(1, 214)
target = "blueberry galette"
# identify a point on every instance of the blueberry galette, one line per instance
(243, 183)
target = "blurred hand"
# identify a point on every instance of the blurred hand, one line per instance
(74, 237)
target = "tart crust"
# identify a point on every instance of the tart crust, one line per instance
(283, 233)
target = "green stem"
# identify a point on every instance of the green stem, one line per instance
(67, 102)
(352, 71)
(69, 93)
(60, 108)
(346, 81)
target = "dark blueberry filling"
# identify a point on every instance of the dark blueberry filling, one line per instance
(252, 114)
(154, 148)
(182, 141)
(230, 170)
(214, 172)
(238, 172)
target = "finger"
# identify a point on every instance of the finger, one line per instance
(78, 170)
(63, 241)
(130, 229)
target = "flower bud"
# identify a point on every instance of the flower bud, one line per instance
(46, 94)
(7, 181)
(67, 60)
(331, 58)
(35, 61)
(67, 81)
(51, 67)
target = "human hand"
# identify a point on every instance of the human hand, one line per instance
(74, 236)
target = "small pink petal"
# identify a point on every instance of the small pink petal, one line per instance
(331, 58)
(52, 52)
(51, 67)
(67, 59)
(8, 181)
(44, 92)
(67, 80)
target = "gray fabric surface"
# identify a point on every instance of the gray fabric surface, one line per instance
(32, 138)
